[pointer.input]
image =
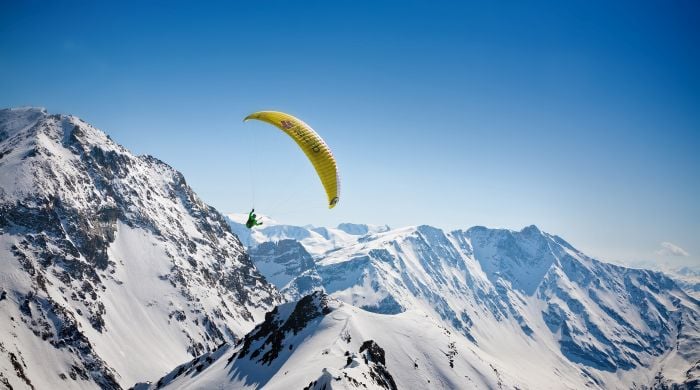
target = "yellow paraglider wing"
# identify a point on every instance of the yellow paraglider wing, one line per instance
(313, 146)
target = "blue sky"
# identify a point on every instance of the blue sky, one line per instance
(580, 117)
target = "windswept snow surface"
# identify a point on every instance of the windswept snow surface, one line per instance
(112, 270)
(512, 295)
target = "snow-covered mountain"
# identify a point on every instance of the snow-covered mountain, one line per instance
(317, 240)
(527, 302)
(112, 270)
(322, 343)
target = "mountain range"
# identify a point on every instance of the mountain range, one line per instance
(116, 274)
(511, 294)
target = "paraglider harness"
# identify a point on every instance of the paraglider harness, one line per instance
(252, 221)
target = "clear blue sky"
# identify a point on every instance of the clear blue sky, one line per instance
(582, 117)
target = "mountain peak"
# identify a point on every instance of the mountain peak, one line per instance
(358, 229)
(521, 257)
(532, 229)
(354, 228)
(103, 240)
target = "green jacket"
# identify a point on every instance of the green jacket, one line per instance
(252, 221)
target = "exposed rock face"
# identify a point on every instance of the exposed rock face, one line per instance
(374, 355)
(102, 251)
(273, 331)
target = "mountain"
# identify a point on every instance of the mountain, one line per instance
(509, 295)
(321, 343)
(288, 265)
(113, 270)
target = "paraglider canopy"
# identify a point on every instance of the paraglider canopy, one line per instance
(311, 144)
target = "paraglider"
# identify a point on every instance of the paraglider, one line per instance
(312, 145)
(252, 220)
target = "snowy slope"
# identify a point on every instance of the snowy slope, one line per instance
(514, 295)
(286, 254)
(320, 342)
(113, 271)
(688, 279)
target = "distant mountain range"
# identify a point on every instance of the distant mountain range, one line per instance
(511, 294)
